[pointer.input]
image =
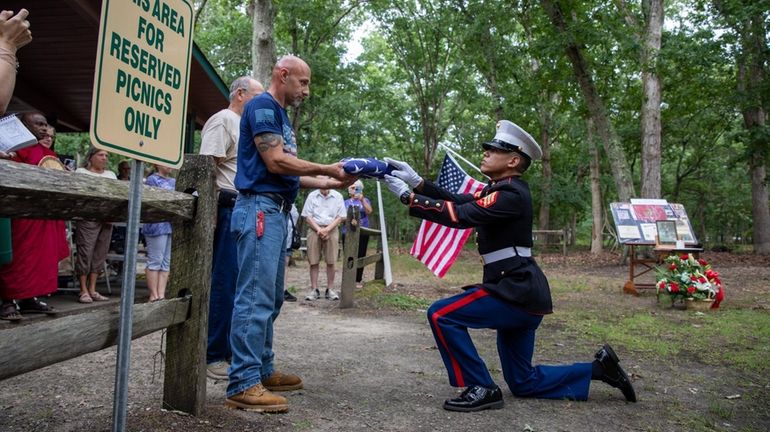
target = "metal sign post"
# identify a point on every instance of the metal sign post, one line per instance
(139, 110)
(120, 399)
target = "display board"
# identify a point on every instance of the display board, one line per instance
(635, 222)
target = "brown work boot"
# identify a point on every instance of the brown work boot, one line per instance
(259, 399)
(282, 382)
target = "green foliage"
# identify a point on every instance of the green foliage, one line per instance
(443, 72)
(224, 34)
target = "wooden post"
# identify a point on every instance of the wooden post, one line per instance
(184, 383)
(564, 241)
(350, 256)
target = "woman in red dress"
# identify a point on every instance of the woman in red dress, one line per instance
(38, 244)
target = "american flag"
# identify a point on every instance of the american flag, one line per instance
(436, 245)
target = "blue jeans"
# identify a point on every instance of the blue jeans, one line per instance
(224, 270)
(259, 290)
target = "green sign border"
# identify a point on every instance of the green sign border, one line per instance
(95, 117)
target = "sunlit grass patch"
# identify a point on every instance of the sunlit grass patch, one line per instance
(374, 291)
(734, 338)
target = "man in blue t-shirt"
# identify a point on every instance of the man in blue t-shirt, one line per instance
(268, 179)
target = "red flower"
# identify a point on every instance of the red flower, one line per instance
(690, 289)
(693, 278)
(684, 257)
(711, 274)
(719, 297)
(672, 267)
(673, 287)
(703, 262)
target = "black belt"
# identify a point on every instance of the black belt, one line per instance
(226, 198)
(282, 202)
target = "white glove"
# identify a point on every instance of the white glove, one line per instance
(405, 172)
(396, 185)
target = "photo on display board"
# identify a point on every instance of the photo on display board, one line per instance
(666, 231)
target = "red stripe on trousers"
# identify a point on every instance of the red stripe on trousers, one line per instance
(449, 309)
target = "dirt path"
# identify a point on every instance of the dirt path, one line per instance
(360, 374)
(362, 371)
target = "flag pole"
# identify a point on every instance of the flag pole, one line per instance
(457, 155)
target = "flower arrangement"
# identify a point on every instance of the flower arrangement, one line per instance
(683, 277)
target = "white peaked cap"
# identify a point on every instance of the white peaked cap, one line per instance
(510, 137)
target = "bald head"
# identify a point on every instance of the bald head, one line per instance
(291, 81)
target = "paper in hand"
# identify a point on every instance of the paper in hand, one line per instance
(14, 135)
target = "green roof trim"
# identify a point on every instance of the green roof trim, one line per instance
(210, 71)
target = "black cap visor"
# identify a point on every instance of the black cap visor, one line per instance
(496, 144)
(499, 145)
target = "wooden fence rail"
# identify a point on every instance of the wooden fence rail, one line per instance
(29, 347)
(543, 238)
(28, 191)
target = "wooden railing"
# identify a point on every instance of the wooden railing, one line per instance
(547, 238)
(27, 191)
(350, 260)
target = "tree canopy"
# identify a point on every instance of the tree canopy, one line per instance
(442, 72)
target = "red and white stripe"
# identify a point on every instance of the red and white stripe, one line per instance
(436, 245)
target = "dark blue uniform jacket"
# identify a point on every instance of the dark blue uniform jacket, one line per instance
(502, 216)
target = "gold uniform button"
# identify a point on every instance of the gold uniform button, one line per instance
(438, 205)
(427, 202)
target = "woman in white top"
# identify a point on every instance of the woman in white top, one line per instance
(92, 238)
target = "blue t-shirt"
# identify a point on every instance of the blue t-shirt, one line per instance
(264, 115)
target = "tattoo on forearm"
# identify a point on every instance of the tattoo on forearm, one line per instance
(266, 141)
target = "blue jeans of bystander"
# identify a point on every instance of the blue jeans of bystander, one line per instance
(259, 291)
(224, 271)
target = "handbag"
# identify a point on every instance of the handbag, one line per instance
(296, 238)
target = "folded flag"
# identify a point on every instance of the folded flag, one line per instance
(366, 167)
(436, 245)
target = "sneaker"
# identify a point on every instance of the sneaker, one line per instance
(282, 382)
(217, 370)
(331, 295)
(257, 398)
(287, 296)
(313, 295)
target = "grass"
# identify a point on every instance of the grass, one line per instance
(736, 338)
(374, 291)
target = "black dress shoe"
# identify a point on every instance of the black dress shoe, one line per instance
(287, 296)
(476, 398)
(613, 374)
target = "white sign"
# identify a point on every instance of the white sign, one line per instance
(140, 83)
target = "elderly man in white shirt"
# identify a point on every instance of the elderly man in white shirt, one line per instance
(324, 210)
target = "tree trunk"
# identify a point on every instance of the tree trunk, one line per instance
(751, 81)
(596, 108)
(596, 194)
(263, 44)
(651, 129)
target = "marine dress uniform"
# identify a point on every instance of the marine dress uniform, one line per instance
(512, 297)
